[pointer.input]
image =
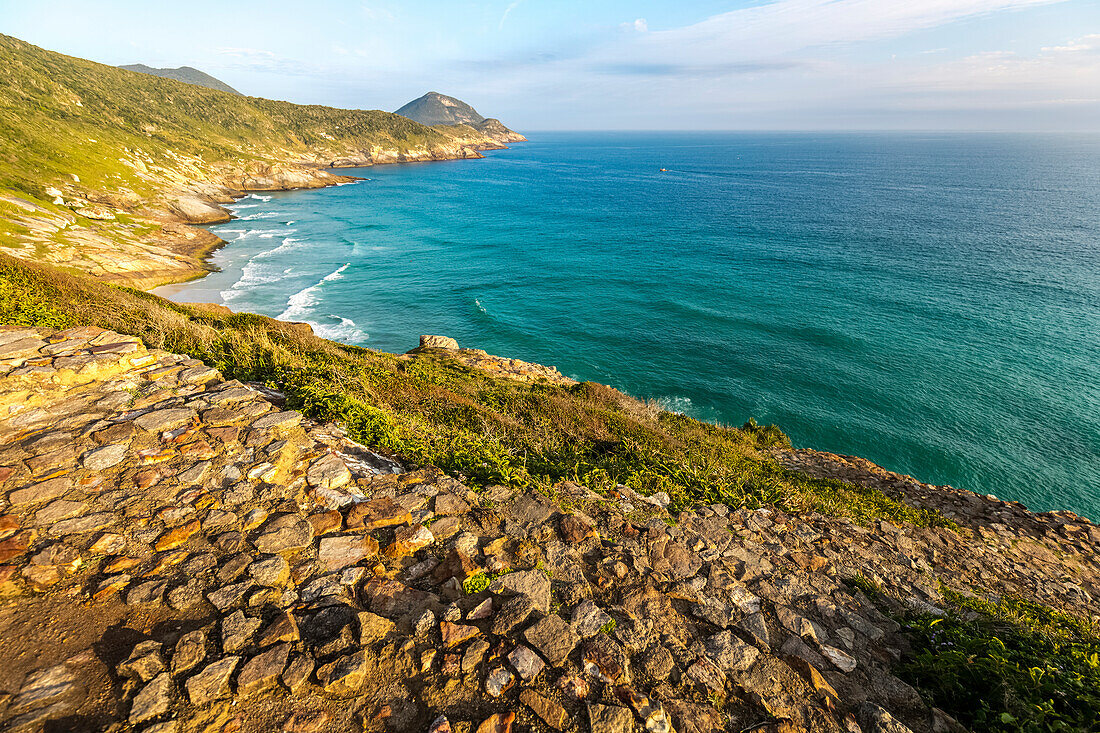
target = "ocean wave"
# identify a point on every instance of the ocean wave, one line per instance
(346, 330)
(298, 305)
(480, 307)
(677, 404)
(258, 197)
(261, 215)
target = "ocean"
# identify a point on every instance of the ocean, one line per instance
(930, 302)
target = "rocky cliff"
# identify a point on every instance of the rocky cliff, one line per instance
(179, 552)
(440, 111)
(100, 167)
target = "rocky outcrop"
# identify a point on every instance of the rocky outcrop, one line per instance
(206, 560)
(498, 366)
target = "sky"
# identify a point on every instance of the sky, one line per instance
(617, 65)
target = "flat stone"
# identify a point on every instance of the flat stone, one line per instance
(475, 652)
(373, 628)
(176, 536)
(263, 670)
(185, 596)
(497, 723)
(86, 523)
(449, 504)
(408, 540)
(499, 681)
(308, 721)
(605, 659)
(345, 675)
(455, 634)
(328, 472)
(377, 513)
(45, 685)
(298, 671)
(148, 593)
(588, 619)
(549, 711)
(160, 421)
(103, 458)
(610, 719)
(730, 653)
(231, 595)
(513, 613)
(212, 682)
(153, 700)
(285, 419)
(144, 663)
(283, 629)
(40, 492)
(237, 631)
(554, 638)
(531, 583)
(284, 533)
(189, 651)
(526, 663)
(57, 510)
(841, 660)
(339, 552)
(392, 599)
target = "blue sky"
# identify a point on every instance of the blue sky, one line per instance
(610, 64)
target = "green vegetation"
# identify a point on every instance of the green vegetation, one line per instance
(430, 409)
(1008, 666)
(62, 116)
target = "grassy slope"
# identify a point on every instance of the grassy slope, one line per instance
(61, 115)
(432, 410)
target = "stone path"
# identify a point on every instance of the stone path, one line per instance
(180, 553)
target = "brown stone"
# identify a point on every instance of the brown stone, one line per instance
(497, 723)
(455, 634)
(325, 522)
(283, 628)
(175, 537)
(377, 513)
(550, 711)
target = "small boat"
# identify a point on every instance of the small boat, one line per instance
(664, 170)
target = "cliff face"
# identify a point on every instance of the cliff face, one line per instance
(211, 560)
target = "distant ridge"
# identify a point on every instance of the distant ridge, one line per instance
(438, 109)
(186, 74)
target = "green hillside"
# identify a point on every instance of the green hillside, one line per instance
(62, 116)
(186, 74)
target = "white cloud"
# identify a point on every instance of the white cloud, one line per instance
(508, 11)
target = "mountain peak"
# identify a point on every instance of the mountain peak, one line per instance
(186, 74)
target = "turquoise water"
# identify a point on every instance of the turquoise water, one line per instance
(930, 302)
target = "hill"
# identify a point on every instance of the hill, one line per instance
(186, 74)
(437, 109)
(99, 165)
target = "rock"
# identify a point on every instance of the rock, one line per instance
(392, 599)
(658, 662)
(284, 533)
(653, 715)
(576, 530)
(532, 583)
(554, 638)
(297, 672)
(263, 670)
(610, 719)
(160, 421)
(144, 662)
(730, 653)
(189, 651)
(40, 492)
(338, 552)
(153, 700)
(328, 472)
(101, 459)
(449, 504)
(173, 538)
(604, 659)
(377, 513)
(440, 725)
(498, 681)
(283, 629)
(588, 619)
(549, 711)
(237, 631)
(874, 719)
(373, 628)
(271, 571)
(212, 682)
(497, 723)
(475, 652)
(345, 675)
(46, 685)
(146, 594)
(438, 342)
(526, 663)
(754, 625)
(841, 660)
(408, 540)
(455, 634)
